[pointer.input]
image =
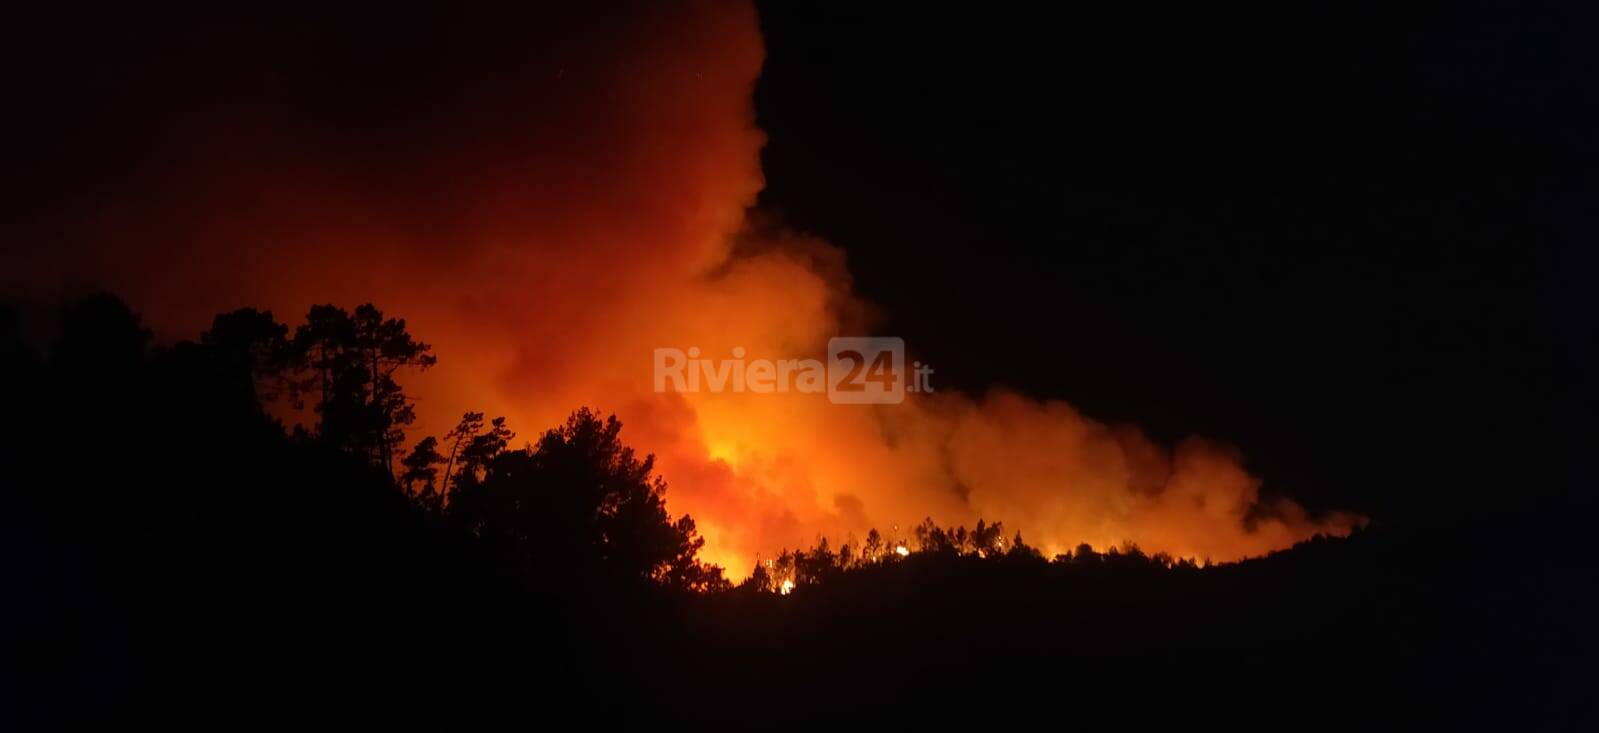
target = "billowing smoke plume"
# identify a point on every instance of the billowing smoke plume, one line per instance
(548, 199)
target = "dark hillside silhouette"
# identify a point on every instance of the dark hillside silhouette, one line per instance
(176, 554)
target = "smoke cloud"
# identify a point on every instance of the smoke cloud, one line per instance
(547, 199)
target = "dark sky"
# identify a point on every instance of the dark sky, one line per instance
(1352, 238)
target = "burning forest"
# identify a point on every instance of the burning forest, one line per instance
(767, 365)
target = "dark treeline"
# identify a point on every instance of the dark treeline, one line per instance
(795, 569)
(179, 552)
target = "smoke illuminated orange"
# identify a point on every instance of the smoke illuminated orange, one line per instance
(547, 231)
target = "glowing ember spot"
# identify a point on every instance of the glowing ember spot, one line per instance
(723, 451)
(902, 550)
(786, 588)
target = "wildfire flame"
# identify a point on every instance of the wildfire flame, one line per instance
(545, 233)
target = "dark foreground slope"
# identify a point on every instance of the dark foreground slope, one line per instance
(1483, 627)
(172, 556)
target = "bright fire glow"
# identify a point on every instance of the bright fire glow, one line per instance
(553, 229)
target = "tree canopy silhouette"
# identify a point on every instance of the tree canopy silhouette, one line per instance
(579, 498)
(352, 359)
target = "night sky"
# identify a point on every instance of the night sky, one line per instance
(1352, 237)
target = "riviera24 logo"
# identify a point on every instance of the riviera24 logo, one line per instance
(859, 370)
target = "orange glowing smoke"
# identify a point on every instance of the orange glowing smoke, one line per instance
(549, 204)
